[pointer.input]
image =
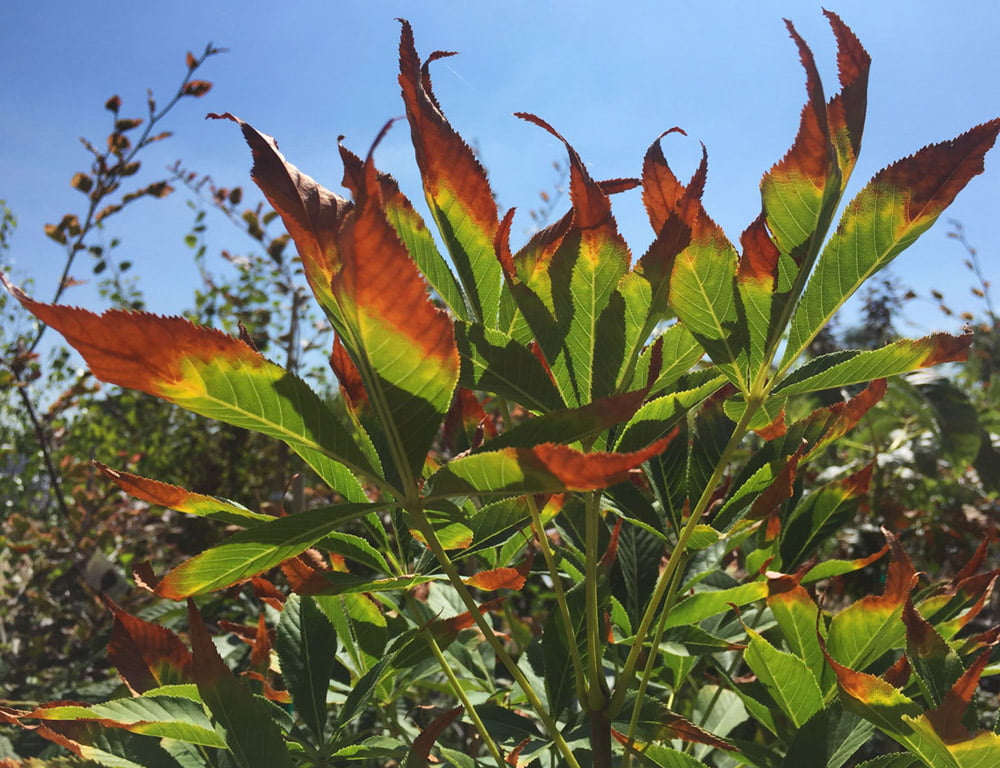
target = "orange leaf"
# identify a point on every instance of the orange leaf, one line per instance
(497, 578)
(146, 655)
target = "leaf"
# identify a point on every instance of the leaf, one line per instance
(146, 655)
(108, 746)
(254, 551)
(497, 578)
(829, 739)
(672, 208)
(591, 259)
(936, 665)
(251, 733)
(455, 184)
(801, 193)
(421, 749)
(571, 424)
(841, 369)
(545, 468)
(172, 497)
(897, 206)
(757, 281)
(494, 362)
(664, 757)
(787, 678)
(373, 293)
(307, 646)
(168, 717)
(821, 513)
(362, 692)
(703, 294)
(658, 723)
(659, 416)
(719, 711)
(197, 88)
(680, 352)
(870, 627)
(798, 618)
(701, 605)
(214, 375)
(420, 244)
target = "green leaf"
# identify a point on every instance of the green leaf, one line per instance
(159, 716)
(572, 424)
(665, 757)
(251, 733)
(787, 678)
(657, 417)
(797, 616)
(493, 362)
(821, 513)
(718, 711)
(936, 665)
(841, 369)
(900, 203)
(873, 625)
(679, 351)
(829, 739)
(362, 691)
(701, 605)
(307, 646)
(703, 294)
(585, 270)
(254, 551)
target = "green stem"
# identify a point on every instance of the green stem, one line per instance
(666, 576)
(421, 523)
(456, 686)
(596, 699)
(647, 672)
(557, 586)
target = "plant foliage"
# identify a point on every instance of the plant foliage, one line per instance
(573, 498)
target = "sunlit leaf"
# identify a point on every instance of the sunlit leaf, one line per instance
(214, 375)
(873, 625)
(172, 497)
(254, 551)
(897, 206)
(455, 185)
(841, 369)
(787, 678)
(545, 468)
(591, 259)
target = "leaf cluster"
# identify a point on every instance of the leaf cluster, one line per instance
(574, 514)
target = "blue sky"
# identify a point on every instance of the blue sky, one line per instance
(610, 77)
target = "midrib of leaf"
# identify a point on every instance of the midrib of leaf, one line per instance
(377, 398)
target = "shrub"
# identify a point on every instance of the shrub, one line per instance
(563, 536)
